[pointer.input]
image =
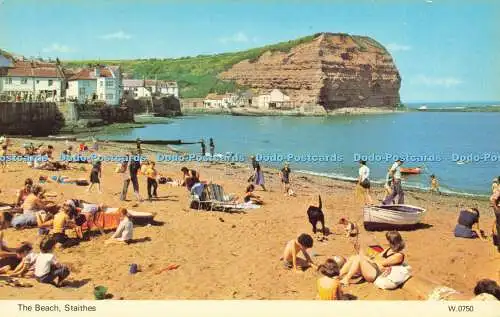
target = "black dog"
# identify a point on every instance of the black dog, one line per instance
(315, 215)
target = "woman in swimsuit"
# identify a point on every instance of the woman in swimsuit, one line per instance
(371, 268)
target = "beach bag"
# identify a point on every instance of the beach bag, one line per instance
(393, 276)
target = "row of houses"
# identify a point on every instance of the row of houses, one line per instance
(24, 79)
(272, 99)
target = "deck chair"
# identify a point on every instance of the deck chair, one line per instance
(221, 201)
(200, 199)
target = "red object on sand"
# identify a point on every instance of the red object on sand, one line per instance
(411, 170)
(170, 267)
(105, 220)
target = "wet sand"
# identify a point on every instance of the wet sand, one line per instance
(236, 256)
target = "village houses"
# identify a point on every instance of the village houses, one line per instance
(98, 83)
(31, 80)
(144, 88)
(220, 101)
(274, 99)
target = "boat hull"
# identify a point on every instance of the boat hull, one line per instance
(414, 170)
(399, 217)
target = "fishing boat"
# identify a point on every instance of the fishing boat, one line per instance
(392, 217)
(411, 170)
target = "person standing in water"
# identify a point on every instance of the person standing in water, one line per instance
(397, 189)
(258, 176)
(212, 147)
(203, 148)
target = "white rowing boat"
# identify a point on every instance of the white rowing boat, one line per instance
(392, 216)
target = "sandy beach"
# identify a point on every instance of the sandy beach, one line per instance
(236, 256)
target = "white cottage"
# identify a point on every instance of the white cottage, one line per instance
(100, 83)
(32, 80)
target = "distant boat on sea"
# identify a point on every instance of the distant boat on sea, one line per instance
(422, 108)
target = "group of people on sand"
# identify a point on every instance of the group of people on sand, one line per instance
(338, 272)
(392, 184)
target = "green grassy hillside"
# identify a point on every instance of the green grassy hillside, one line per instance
(197, 76)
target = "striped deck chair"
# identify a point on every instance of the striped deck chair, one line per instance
(222, 201)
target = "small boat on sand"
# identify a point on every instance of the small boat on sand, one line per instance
(392, 217)
(411, 170)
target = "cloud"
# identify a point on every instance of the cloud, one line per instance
(120, 35)
(398, 47)
(436, 81)
(58, 48)
(239, 37)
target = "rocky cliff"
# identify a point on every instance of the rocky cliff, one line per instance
(333, 70)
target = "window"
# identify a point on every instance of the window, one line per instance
(110, 84)
(51, 82)
(81, 91)
(110, 96)
(24, 81)
(101, 84)
(37, 81)
(8, 80)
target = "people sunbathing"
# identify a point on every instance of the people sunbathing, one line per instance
(372, 267)
(251, 197)
(22, 193)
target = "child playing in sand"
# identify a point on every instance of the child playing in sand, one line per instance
(47, 269)
(124, 232)
(27, 266)
(302, 243)
(328, 285)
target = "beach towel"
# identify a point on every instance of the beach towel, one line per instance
(104, 220)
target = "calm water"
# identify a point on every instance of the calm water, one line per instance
(435, 139)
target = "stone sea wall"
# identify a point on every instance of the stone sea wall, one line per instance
(30, 118)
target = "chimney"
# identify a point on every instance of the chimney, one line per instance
(97, 72)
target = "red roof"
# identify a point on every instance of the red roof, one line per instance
(26, 68)
(89, 73)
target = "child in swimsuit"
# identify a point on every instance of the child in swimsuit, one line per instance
(328, 285)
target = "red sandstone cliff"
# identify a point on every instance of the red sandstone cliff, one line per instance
(333, 70)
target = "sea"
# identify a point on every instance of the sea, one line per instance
(460, 148)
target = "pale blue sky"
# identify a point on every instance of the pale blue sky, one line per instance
(445, 50)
